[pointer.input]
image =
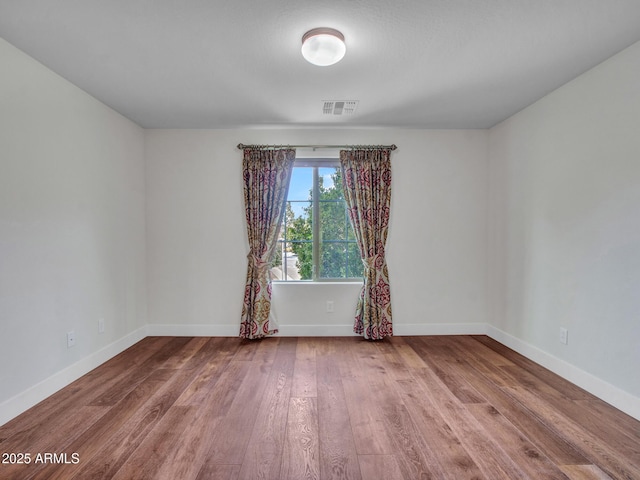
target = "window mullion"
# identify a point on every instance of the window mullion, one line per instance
(315, 209)
(346, 240)
(285, 270)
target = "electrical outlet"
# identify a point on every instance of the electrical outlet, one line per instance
(101, 325)
(71, 339)
(329, 306)
(564, 336)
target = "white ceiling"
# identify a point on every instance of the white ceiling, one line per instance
(410, 63)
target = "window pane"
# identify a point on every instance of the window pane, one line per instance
(297, 244)
(330, 183)
(340, 260)
(332, 221)
(334, 258)
(296, 235)
(331, 204)
(300, 261)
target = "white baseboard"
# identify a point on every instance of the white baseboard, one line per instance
(316, 331)
(194, 330)
(234, 330)
(440, 329)
(21, 402)
(620, 399)
(323, 330)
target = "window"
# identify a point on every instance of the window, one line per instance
(316, 239)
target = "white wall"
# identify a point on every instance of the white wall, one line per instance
(197, 245)
(72, 231)
(565, 230)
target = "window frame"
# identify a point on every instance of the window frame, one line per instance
(316, 163)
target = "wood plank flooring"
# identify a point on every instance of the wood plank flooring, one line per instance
(442, 407)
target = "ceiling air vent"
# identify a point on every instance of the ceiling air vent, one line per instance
(339, 107)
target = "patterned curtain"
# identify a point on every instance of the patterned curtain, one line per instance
(367, 191)
(266, 175)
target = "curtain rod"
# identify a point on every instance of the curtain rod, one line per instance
(242, 146)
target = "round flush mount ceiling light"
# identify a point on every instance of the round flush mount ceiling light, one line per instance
(323, 46)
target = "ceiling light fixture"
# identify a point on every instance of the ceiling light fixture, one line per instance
(323, 46)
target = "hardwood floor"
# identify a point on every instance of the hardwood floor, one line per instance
(454, 407)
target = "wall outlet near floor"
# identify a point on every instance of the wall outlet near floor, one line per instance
(71, 339)
(564, 336)
(101, 325)
(329, 306)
